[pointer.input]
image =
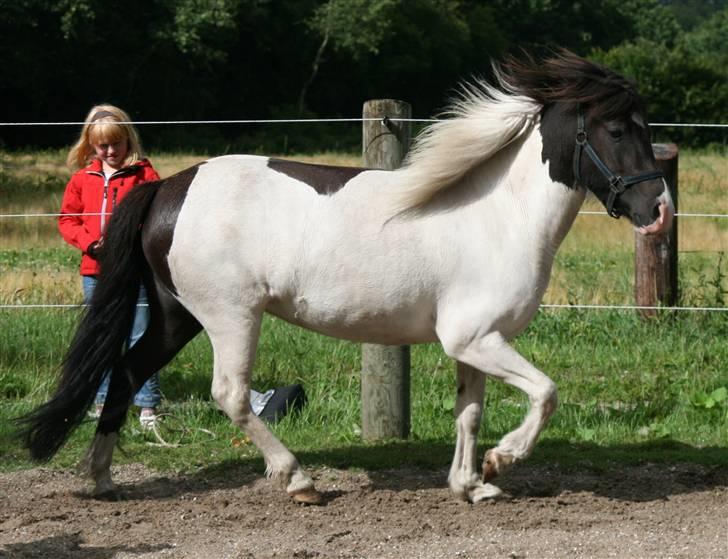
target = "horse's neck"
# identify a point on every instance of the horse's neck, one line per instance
(540, 206)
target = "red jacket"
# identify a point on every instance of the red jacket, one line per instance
(89, 192)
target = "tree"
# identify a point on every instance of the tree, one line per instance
(356, 26)
(652, 20)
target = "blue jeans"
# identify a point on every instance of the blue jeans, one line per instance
(149, 395)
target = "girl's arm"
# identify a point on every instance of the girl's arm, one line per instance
(73, 227)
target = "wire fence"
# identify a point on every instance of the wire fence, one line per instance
(575, 306)
(315, 120)
(362, 120)
(583, 212)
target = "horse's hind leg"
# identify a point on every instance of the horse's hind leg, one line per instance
(234, 345)
(464, 479)
(169, 330)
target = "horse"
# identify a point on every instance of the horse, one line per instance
(454, 247)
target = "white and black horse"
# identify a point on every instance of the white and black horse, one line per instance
(455, 247)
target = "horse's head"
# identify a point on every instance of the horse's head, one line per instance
(613, 158)
(595, 136)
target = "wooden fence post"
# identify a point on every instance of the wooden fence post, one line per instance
(385, 376)
(655, 257)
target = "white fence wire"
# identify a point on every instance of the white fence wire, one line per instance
(583, 212)
(360, 120)
(314, 120)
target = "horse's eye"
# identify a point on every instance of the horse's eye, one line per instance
(616, 133)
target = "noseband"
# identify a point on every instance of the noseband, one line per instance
(617, 184)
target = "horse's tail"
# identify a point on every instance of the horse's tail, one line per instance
(98, 344)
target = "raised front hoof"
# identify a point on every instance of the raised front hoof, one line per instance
(494, 464)
(307, 497)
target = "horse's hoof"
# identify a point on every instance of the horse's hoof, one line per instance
(106, 490)
(111, 495)
(308, 497)
(485, 492)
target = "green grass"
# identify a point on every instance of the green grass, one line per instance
(628, 392)
(39, 259)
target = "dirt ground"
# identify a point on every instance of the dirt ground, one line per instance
(646, 511)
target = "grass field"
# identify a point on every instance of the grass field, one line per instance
(630, 390)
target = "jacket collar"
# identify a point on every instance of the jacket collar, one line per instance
(96, 167)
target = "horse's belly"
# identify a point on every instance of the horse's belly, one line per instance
(365, 323)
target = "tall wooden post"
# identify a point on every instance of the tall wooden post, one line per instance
(655, 257)
(385, 376)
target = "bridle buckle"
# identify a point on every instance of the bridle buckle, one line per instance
(617, 184)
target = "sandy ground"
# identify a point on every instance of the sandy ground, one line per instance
(646, 511)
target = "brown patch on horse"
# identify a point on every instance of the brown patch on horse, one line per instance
(161, 220)
(324, 179)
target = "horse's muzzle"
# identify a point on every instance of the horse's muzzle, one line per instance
(663, 221)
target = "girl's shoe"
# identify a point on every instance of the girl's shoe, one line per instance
(148, 418)
(95, 413)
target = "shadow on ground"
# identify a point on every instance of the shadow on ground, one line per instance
(68, 546)
(640, 472)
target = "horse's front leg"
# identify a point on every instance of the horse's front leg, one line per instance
(464, 479)
(495, 356)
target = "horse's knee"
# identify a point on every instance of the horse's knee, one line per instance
(235, 403)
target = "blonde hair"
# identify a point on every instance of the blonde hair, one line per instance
(104, 124)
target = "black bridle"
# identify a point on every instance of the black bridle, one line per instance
(617, 184)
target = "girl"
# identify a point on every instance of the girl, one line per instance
(107, 162)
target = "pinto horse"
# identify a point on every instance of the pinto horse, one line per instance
(455, 247)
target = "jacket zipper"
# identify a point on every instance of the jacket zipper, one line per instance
(106, 195)
(103, 204)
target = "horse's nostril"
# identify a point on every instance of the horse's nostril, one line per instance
(656, 212)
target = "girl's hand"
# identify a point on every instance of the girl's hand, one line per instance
(94, 249)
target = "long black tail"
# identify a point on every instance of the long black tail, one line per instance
(99, 341)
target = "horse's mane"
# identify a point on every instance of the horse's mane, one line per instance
(485, 118)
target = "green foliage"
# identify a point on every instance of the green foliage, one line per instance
(708, 401)
(653, 21)
(691, 13)
(197, 26)
(358, 26)
(685, 80)
(233, 59)
(707, 41)
(579, 26)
